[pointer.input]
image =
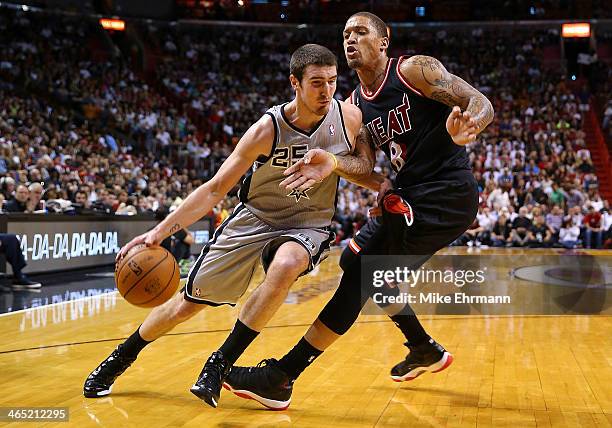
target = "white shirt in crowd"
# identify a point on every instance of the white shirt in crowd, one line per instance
(164, 137)
(597, 204)
(576, 219)
(570, 233)
(486, 221)
(498, 199)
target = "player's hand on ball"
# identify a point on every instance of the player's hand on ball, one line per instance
(149, 239)
(461, 126)
(316, 165)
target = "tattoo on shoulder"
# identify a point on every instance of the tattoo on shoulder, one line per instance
(425, 62)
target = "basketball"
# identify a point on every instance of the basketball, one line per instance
(147, 276)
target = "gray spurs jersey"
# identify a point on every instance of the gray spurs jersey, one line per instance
(284, 208)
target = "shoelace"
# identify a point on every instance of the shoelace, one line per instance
(259, 377)
(211, 365)
(114, 359)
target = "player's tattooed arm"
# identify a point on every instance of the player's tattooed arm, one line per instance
(358, 167)
(175, 228)
(360, 163)
(431, 77)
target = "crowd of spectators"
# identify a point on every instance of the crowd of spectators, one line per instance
(537, 180)
(67, 60)
(229, 78)
(75, 163)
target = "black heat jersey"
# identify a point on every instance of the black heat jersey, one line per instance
(410, 129)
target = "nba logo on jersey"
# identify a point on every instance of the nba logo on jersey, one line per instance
(332, 130)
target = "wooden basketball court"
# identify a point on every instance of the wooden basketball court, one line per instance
(515, 371)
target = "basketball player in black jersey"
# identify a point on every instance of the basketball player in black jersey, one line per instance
(421, 116)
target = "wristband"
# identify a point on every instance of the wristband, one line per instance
(335, 159)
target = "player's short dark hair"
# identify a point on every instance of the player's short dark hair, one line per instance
(310, 54)
(379, 25)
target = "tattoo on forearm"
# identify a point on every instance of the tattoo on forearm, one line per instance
(175, 228)
(443, 97)
(460, 88)
(481, 111)
(361, 161)
(353, 166)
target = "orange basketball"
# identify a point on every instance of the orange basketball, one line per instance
(147, 276)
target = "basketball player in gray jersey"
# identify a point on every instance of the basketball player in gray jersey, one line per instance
(288, 232)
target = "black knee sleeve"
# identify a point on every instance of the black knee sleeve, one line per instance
(343, 309)
(349, 260)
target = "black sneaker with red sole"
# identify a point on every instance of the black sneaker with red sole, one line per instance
(429, 356)
(265, 383)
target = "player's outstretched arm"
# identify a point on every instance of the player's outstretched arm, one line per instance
(356, 166)
(256, 141)
(472, 111)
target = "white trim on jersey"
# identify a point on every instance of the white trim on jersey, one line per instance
(403, 79)
(371, 97)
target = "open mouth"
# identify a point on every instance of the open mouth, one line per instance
(351, 52)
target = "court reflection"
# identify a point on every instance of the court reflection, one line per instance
(57, 288)
(70, 306)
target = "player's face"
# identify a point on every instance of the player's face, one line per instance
(317, 88)
(362, 45)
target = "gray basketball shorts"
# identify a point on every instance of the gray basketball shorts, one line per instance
(222, 272)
